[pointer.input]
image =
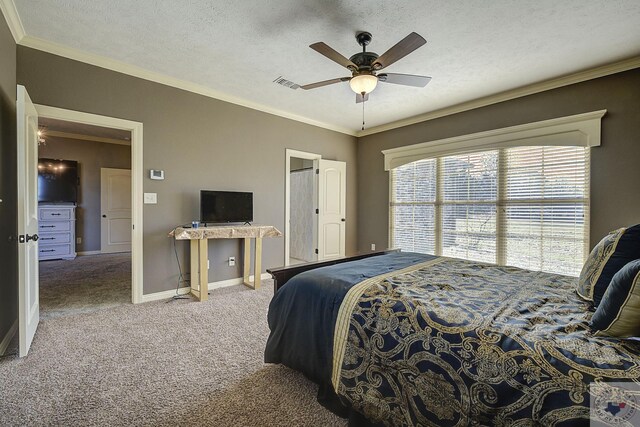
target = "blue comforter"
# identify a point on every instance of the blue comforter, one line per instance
(409, 339)
(302, 314)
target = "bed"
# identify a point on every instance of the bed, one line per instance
(413, 339)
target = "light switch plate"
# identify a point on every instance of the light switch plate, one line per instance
(150, 198)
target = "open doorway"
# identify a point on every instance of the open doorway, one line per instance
(300, 218)
(28, 208)
(84, 213)
(302, 221)
(315, 208)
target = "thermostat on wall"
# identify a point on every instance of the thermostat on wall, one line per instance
(156, 174)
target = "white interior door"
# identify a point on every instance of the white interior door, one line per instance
(115, 205)
(29, 306)
(332, 199)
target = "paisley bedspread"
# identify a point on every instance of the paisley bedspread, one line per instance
(453, 342)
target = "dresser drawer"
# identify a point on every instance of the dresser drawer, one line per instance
(51, 227)
(54, 250)
(57, 238)
(55, 214)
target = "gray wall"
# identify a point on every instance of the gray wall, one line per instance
(297, 164)
(615, 174)
(91, 156)
(201, 143)
(8, 190)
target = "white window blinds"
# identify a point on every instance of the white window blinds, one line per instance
(413, 206)
(469, 198)
(524, 206)
(546, 208)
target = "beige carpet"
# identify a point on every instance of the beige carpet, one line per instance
(85, 284)
(159, 364)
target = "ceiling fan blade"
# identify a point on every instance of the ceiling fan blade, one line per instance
(399, 51)
(325, 83)
(333, 55)
(404, 79)
(360, 99)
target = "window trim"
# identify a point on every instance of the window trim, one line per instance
(582, 130)
(576, 130)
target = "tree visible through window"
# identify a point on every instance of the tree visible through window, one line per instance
(525, 206)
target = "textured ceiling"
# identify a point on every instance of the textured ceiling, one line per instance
(474, 48)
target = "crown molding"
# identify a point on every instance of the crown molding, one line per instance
(581, 76)
(135, 71)
(14, 22)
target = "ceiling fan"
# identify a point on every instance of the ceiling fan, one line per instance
(364, 66)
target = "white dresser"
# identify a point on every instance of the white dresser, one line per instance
(57, 231)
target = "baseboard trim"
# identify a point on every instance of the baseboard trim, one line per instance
(213, 285)
(165, 294)
(236, 281)
(88, 253)
(8, 337)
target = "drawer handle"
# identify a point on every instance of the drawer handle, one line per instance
(55, 214)
(47, 250)
(47, 238)
(47, 226)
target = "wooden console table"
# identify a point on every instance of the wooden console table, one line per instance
(200, 248)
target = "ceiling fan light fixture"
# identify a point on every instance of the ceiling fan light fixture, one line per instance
(363, 83)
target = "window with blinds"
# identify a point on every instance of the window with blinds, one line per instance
(413, 209)
(469, 198)
(526, 207)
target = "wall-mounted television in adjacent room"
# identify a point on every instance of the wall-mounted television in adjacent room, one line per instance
(225, 206)
(57, 181)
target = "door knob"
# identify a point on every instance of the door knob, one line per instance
(343, 220)
(104, 216)
(26, 238)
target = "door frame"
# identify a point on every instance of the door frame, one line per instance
(137, 175)
(289, 153)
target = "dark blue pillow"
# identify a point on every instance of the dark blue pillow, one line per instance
(607, 258)
(618, 314)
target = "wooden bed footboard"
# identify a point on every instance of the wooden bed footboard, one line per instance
(282, 274)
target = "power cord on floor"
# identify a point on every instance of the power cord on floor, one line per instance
(180, 277)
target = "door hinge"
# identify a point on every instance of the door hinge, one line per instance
(317, 211)
(317, 252)
(317, 171)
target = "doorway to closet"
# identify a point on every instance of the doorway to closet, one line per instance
(315, 207)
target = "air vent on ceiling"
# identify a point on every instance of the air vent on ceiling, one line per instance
(286, 83)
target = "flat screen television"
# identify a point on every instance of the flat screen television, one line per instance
(225, 206)
(57, 181)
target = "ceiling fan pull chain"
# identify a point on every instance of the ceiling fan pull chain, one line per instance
(363, 102)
